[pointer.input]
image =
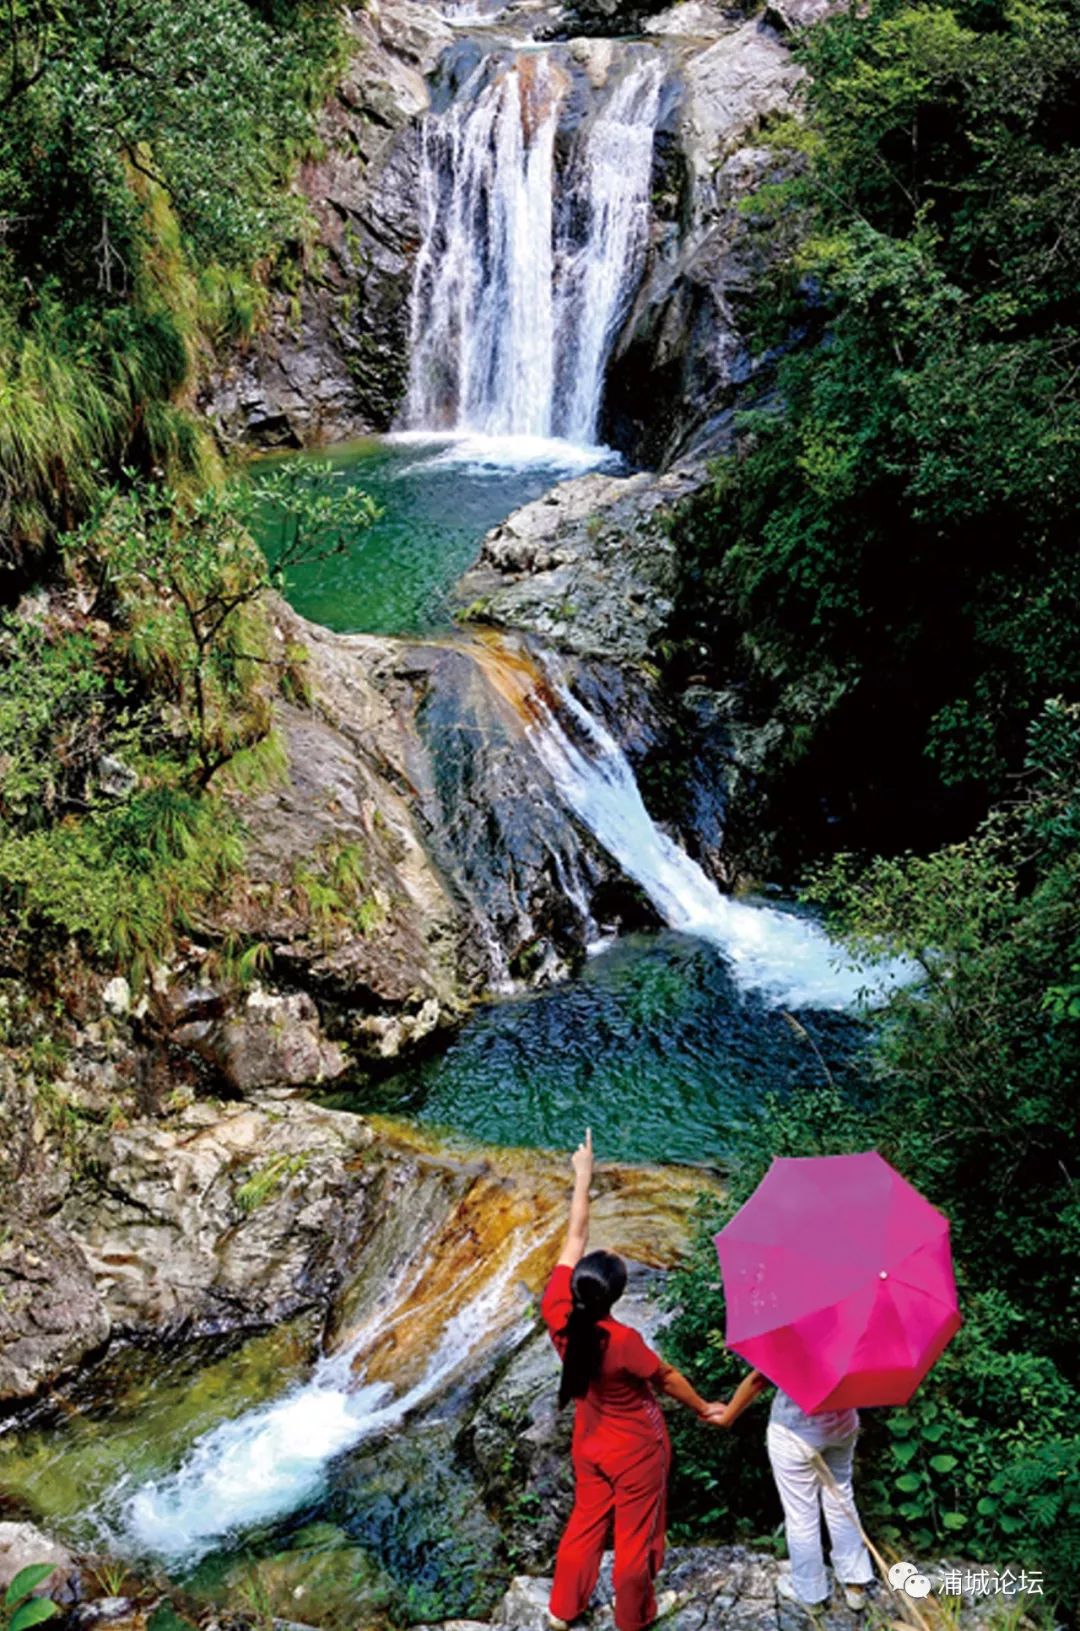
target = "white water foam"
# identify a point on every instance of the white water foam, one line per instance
(474, 452)
(788, 959)
(598, 280)
(267, 1462)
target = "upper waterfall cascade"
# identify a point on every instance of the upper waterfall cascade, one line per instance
(529, 259)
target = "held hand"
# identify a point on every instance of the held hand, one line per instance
(715, 1415)
(582, 1158)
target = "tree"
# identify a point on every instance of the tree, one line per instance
(187, 582)
(892, 542)
(970, 1091)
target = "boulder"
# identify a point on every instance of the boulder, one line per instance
(22, 1544)
(222, 1218)
(796, 15)
(268, 1041)
(340, 888)
(52, 1311)
(589, 567)
(694, 19)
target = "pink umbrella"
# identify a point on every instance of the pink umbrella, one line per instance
(839, 1282)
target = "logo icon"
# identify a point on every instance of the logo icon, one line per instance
(906, 1577)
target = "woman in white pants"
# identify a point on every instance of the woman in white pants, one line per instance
(793, 1437)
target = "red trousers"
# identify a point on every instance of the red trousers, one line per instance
(626, 1477)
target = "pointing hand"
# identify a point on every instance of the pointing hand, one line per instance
(582, 1158)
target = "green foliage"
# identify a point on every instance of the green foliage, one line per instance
(144, 158)
(124, 881)
(111, 734)
(973, 1097)
(210, 100)
(185, 580)
(267, 1178)
(23, 1610)
(892, 544)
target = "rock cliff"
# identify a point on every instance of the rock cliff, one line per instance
(333, 359)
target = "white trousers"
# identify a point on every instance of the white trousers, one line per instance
(804, 1497)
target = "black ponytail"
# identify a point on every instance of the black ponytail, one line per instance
(598, 1281)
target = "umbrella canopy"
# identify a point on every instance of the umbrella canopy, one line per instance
(839, 1282)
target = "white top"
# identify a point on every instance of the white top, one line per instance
(822, 1427)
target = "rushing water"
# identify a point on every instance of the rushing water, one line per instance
(268, 1477)
(521, 284)
(785, 956)
(327, 1484)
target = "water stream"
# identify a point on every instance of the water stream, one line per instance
(333, 1473)
(270, 1463)
(783, 955)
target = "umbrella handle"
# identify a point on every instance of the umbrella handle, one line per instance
(907, 1607)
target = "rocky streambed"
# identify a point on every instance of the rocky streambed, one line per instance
(277, 1358)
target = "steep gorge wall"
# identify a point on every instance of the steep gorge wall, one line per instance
(332, 359)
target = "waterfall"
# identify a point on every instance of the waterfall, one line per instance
(599, 278)
(442, 1291)
(482, 304)
(524, 273)
(789, 959)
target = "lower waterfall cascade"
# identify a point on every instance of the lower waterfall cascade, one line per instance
(447, 1290)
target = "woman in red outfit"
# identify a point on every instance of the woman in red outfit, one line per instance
(620, 1445)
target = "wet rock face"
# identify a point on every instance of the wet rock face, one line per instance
(590, 569)
(413, 798)
(524, 876)
(333, 360)
(681, 361)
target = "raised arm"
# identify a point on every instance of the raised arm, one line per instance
(577, 1230)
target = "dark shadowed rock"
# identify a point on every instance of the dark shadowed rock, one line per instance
(611, 17)
(681, 361)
